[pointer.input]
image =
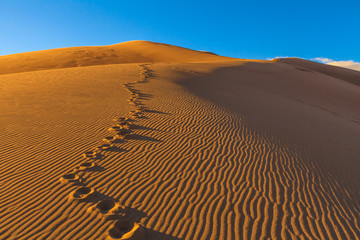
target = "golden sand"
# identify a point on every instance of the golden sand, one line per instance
(200, 146)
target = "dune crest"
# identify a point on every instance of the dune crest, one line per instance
(346, 74)
(127, 52)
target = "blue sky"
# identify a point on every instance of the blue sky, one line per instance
(245, 29)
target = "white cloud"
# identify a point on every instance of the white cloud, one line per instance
(277, 57)
(346, 64)
(323, 60)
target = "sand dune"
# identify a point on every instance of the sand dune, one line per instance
(189, 146)
(346, 74)
(127, 52)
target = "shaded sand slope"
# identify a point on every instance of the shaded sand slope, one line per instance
(287, 141)
(227, 150)
(307, 108)
(346, 74)
(127, 52)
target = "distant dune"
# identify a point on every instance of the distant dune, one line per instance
(346, 74)
(127, 52)
(142, 140)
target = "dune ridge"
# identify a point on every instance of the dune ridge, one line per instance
(346, 74)
(127, 52)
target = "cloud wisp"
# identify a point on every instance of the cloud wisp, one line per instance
(346, 64)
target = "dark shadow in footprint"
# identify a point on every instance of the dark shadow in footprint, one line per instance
(108, 208)
(155, 235)
(111, 210)
(117, 149)
(123, 125)
(125, 226)
(135, 215)
(104, 147)
(118, 140)
(89, 167)
(97, 156)
(140, 98)
(97, 168)
(104, 206)
(145, 96)
(121, 119)
(83, 193)
(93, 154)
(87, 194)
(143, 138)
(133, 230)
(112, 139)
(71, 178)
(137, 104)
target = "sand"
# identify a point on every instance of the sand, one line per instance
(213, 147)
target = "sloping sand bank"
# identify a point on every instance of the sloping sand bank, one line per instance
(217, 150)
(127, 52)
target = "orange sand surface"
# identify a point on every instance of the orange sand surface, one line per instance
(213, 147)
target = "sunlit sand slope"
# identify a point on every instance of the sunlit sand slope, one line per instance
(215, 150)
(127, 52)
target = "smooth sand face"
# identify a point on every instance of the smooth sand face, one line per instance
(224, 150)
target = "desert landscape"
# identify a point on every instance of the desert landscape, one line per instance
(144, 140)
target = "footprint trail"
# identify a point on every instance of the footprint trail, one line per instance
(124, 226)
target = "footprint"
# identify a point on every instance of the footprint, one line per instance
(70, 178)
(86, 166)
(136, 114)
(109, 209)
(132, 112)
(91, 154)
(139, 110)
(144, 109)
(121, 119)
(114, 128)
(126, 229)
(109, 139)
(82, 193)
(105, 206)
(124, 125)
(120, 136)
(124, 131)
(104, 147)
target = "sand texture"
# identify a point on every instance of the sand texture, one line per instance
(161, 142)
